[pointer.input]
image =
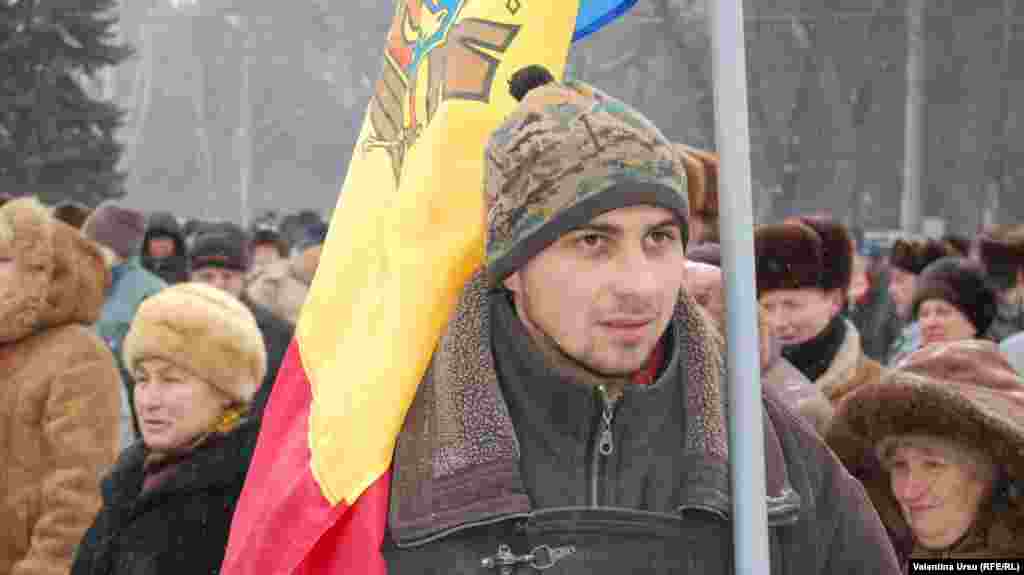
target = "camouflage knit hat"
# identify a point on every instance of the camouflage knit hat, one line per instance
(568, 154)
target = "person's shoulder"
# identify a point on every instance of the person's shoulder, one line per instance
(266, 319)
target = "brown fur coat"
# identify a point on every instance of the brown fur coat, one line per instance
(59, 391)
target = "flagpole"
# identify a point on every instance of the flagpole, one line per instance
(746, 437)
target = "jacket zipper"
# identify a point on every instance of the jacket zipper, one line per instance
(604, 443)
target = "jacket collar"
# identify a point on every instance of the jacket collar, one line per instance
(456, 459)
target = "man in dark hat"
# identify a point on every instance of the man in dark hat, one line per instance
(220, 257)
(804, 268)
(574, 412)
(164, 249)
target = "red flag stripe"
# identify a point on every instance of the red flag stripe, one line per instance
(282, 517)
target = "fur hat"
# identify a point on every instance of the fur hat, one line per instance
(568, 154)
(1001, 249)
(120, 229)
(837, 249)
(788, 256)
(61, 276)
(962, 283)
(964, 391)
(72, 213)
(204, 330)
(701, 180)
(912, 255)
(222, 245)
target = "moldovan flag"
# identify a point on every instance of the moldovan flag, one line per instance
(405, 237)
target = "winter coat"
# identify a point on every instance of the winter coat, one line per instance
(179, 526)
(278, 288)
(875, 318)
(849, 369)
(130, 286)
(1009, 319)
(277, 336)
(172, 269)
(798, 393)
(964, 392)
(58, 394)
(504, 466)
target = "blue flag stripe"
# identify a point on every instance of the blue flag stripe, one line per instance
(595, 14)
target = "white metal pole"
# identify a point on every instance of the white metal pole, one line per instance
(913, 141)
(746, 428)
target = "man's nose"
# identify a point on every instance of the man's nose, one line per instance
(636, 274)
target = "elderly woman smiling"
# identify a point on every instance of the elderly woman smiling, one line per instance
(197, 357)
(939, 448)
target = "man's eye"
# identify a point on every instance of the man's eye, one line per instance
(591, 241)
(663, 237)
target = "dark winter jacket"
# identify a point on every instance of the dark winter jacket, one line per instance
(1009, 320)
(180, 526)
(503, 463)
(172, 269)
(875, 318)
(277, 336)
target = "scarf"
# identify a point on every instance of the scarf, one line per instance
(814, 356)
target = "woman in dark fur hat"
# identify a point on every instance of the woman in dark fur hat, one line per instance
(939, 445)
(804, 269)
(953, 301)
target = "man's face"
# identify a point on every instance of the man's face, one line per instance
(704, 283)
(798, 315)
(161, 247)
(901, 289)
(231, 281)
(606, 291)
(263, 254)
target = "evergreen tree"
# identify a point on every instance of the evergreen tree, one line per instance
(56, 139)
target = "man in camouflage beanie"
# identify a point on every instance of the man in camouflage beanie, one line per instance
(568, 154)
(576, 375)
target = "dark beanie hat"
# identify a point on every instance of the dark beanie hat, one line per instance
(222, 245)
(837, 249)
(706, 253)
(566, 155)
(788, 256)
(120, 229)
(912, 255)
(962, 283)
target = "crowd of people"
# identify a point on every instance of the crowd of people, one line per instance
(138, 352)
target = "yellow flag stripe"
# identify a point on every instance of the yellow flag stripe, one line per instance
(400, 249)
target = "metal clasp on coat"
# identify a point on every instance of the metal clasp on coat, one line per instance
(540, 558)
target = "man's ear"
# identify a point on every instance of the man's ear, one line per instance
(513, 283)
(838, 300)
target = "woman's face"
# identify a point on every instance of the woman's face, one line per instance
(798, 315)
(942, 321)
(901, 289)
(938, 494)
(173, 405)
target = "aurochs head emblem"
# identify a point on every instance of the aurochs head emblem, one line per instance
(431, 56)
